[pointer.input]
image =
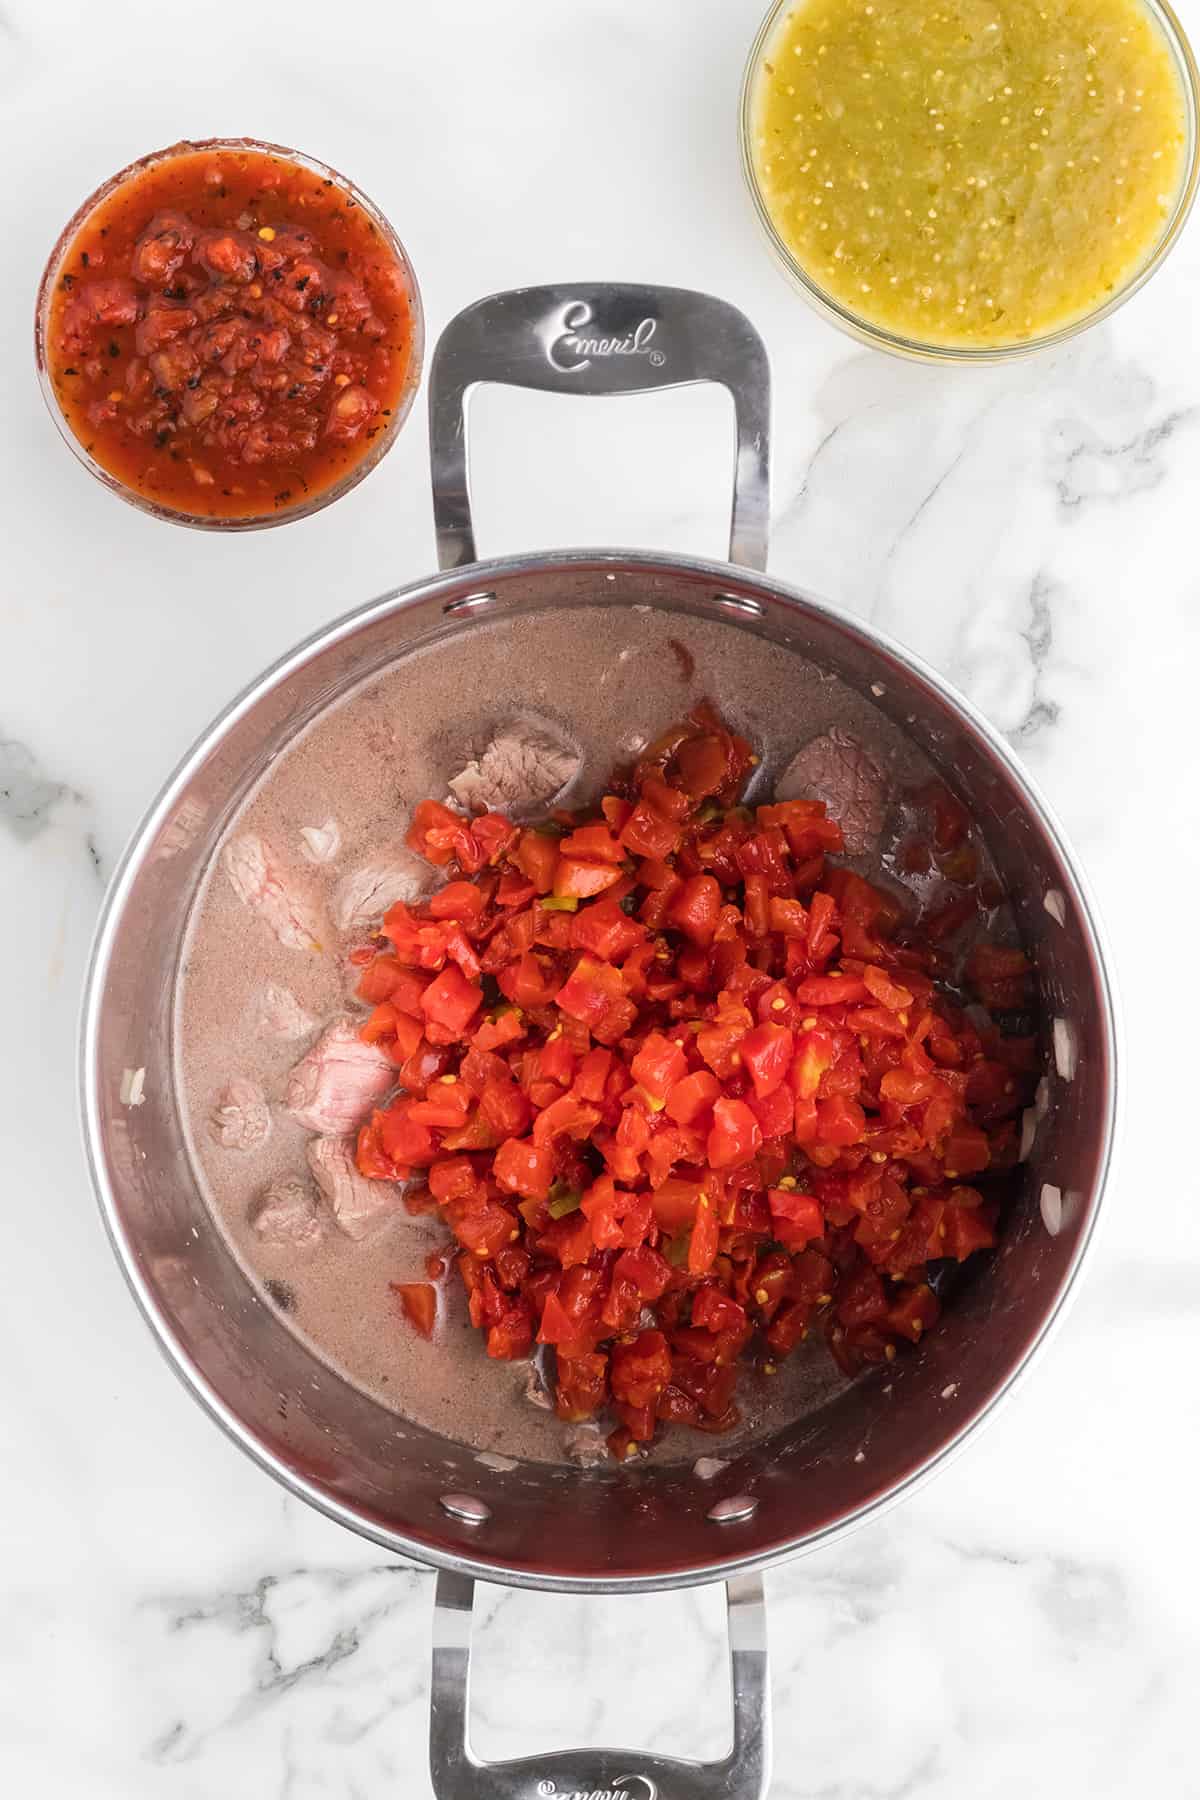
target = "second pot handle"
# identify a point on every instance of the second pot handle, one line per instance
(599, 338)
(458, 1774)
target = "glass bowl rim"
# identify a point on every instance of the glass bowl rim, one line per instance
(252, 521)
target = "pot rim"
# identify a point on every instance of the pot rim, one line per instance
(477, 577)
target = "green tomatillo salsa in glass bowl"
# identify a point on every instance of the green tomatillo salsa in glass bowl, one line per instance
(970, 179)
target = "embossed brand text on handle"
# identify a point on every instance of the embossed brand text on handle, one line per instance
(570, 347)
(628, 1787)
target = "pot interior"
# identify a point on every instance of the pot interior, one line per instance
(612, 649)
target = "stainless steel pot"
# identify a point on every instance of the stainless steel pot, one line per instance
(420, 1494)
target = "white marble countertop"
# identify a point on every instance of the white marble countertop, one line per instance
(174, 1627)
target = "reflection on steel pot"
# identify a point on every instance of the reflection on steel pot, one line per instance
(660, 1525)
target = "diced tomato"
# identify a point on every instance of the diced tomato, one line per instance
(640, 1370)
(695, 907)
(505, 1107)
(419, 1301)
(402, 1139)
(386, 978)
(484, 1227)
(706, 1232)
(575, 879)
(451, 1177)
(446, 1104)
(460, 900)
(506, 1028)
(720, 1044)
(567, 1116)
(522, 1167)
(393, 1031)
(370, 1157)
(595, 994)
(767, 1056)
(735, 1134)
(914, 1312)
(775, 1112)
(861, 1300)
(715, 1310)
(556, 1327)
(556, 1061)
(592, 843)
(511, 1336)
(887, 992)
(451, 1000)
(658, 1066)
(690, 1100)
(648, 833)
(582, 1386)
(536, 856)
(796, 1218)
(434, 832)
(815, 1052)
(965, 1151)
(830, 990)
(789, 1327)
(751, 1105)
(967, 1229)
(605, 930)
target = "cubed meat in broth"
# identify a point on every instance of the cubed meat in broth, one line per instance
(836, 769)
(523, 768)
(282, 900)
(358, 1206)
(241, 1118)
(333, 1088)
(279, 1016)
(287, 1215)
(363, 895)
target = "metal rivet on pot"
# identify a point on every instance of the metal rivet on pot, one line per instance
(743, 603)
(467, 1508)
(469, 603)
(733, 1510)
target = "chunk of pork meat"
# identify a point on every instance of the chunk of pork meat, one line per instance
(586, 1446)
(321, 843)
(241, 1118)
(364, 895)
(535, 1391)
(836, 769)
(279, 1015)
(280, 900)
(288, 1216)
(519, 772)
(358, 1205)
(334, 1087)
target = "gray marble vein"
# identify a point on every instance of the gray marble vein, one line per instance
(1090, 466)
(266, 1614)
(1041, 712)
(28, 796)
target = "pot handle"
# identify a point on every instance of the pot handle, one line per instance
(458, 1774)
(599, 338)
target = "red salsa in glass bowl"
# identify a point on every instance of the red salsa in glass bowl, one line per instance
(229, 334)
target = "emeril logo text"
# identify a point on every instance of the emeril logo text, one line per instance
(628, 1787)
(570, 347)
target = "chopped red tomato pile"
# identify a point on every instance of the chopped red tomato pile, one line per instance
(682, 1088)
(229, 333)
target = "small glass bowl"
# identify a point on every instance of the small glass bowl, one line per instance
(878, 336)
(379, 446)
